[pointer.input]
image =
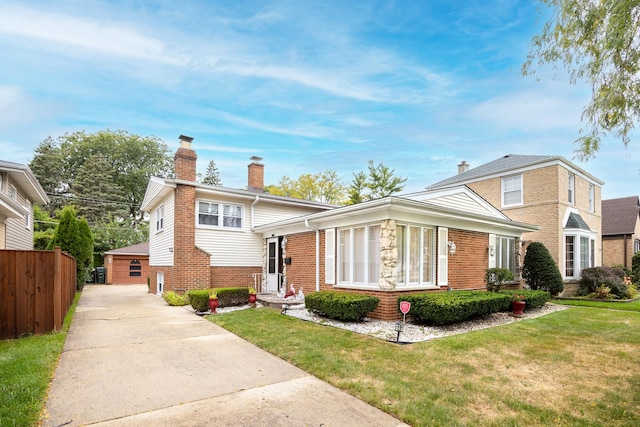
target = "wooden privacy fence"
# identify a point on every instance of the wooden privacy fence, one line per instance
(36, 291)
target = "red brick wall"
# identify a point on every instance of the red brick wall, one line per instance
(168, 278)
(302, 270)
(467, 267)
(256, 176)
(224, 277)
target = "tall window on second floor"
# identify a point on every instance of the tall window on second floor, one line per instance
(160, 218)
(512, 190)
(571, 192)
(592, 198)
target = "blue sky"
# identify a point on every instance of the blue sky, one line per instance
(308, 86)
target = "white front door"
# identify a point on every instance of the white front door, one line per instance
(159, 282)
(273, 264)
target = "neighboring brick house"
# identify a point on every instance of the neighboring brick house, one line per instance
(207, 236)
(550, 191)
(128, 265)
(19, 190)
(620, 230)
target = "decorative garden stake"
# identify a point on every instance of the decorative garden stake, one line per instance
(399, 327)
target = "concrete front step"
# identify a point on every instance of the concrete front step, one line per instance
(273, 301)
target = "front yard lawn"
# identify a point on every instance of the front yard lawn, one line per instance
(26, 368)
(614, 305)
(576, 367)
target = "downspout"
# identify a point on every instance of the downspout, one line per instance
(306, 224)
(257, 199)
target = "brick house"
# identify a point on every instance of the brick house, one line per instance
(550, 191)
(128, 265)
(620, 230)
(19, 190)
(206, 236)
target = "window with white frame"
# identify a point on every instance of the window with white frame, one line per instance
(592, 198)
(506, 254)
(512, 190)
(330, 257)
(27, 217)
(579, 253)
(13, 193)
(160, 218)
(571, 185)
(416, 260)
(216, 214)
(359, 255)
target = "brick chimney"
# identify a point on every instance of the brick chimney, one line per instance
(191, 265)
(256, 175)
(185, 160)
(463, 167)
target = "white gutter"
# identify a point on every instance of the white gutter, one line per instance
(306, 224)
(257, 199)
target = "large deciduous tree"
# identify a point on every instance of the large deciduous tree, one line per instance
(325, 187)
(596, 41)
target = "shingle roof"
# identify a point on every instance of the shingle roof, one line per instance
(501, 165)
(619, 216)
(576, 221)
(139, 249)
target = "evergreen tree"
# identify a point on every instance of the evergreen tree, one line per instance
(98, 195)
(380, 182)
(212, 175)
(86, 254)
(48, 166)
(43, 228)
(357, 188)
(540, 271)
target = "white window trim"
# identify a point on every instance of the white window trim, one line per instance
(443, 256)
(159, 218)
(220, 225)
(28, 223)
(592, 198)
(330, 256)
(571, 193)
(512, 245)
(577, 234)
(402, 282)
(502, 190)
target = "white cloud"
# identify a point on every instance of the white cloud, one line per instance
(84, 33)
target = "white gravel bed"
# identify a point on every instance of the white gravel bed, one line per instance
(416, 333)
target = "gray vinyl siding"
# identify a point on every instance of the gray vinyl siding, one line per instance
(19, 235)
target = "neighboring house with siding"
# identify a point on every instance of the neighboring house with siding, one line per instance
(19, 190)
(128, 265)
(206, 236)
(620, 230)
(550, 191)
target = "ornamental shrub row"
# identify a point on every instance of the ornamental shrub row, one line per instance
(533, 298)
(444, 308)
(228, 297)
(199, 299)
(341, 305)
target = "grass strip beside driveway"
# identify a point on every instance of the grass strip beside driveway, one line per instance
(26, 369)
(575, 367)
(612, 305)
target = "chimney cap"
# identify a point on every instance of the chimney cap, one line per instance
(185, 138)
(255, 159)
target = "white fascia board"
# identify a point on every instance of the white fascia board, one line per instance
(157, 190)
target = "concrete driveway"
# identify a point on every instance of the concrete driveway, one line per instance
(132, 360)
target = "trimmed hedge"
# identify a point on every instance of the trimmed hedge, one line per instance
(444, 308)
(341, 305)
(199, 299)
(533, 298)
(228, 297)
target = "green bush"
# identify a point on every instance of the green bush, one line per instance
(540, 271)
(444, 308)
(610, 277)
(228, 297)
(174, 299)
(199, 299)
(495, 278)
(341, 305)
(533, 298)
(635, 267)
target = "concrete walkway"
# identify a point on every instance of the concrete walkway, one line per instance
(132, 360)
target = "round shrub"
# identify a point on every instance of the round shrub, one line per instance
(495, 278)
(174, 299)
(592, 279)
(540, 271)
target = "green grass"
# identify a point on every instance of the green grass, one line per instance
(26, 368)
(577, 367)
(613, 305)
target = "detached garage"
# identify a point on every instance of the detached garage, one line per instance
(128, 266)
